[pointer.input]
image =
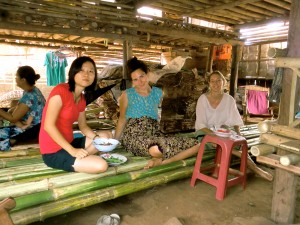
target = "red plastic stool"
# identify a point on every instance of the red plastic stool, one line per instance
(221, 167)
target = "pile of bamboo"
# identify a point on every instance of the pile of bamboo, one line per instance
(41, 192)
(274, 136)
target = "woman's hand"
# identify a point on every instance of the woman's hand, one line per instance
(79, 153)
(225, 127)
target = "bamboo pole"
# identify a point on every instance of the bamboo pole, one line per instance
(16, 153)
(20, 161)
(287, 131)
(265, 126)
(31, 174)
(253, 144)
(262, 149)
(23, 169)
(27, 180)
(290, 159)
(277, 52)
(273, 139)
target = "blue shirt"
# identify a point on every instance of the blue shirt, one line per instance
(35, 101)
(139, 106)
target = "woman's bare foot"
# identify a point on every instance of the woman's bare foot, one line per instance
(12, 142)
(153, 162)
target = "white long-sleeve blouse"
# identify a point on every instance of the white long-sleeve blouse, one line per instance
(226, 113)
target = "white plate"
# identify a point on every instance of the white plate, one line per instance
(222, 134)
(107, 157)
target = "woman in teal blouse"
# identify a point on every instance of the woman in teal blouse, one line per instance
(138, 126)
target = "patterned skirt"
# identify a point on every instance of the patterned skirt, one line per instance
(142, 133)
(6, 133)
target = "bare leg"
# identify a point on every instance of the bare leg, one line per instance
(254, 167)
(157, 156)
(153, 162)
(183, 155)
(5, 206)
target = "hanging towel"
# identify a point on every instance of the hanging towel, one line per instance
(257, 102)
(55, 69)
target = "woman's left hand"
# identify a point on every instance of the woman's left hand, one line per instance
(81, 153)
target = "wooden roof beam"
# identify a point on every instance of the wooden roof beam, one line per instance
(12, 37)
(220, 7)
(280, 3)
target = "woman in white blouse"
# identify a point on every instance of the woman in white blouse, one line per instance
(217, 109)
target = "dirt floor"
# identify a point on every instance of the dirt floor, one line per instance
(177, 203)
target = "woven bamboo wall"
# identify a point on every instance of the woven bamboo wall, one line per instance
(181, 92)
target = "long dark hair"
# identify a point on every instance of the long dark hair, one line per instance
(28, 73)
(75, 68)
(134, 64)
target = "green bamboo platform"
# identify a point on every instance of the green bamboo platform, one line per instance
(42, 192)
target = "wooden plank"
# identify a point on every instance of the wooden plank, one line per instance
(291, 145)
(295, 123)
(273, 139)
(274, 161)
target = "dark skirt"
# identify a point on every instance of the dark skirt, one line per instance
(142, 133)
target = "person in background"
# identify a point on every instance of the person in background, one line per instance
(21, 124)
(216, 109)
(28, 109)
(24, 124)
(138, 126)
(65, 105)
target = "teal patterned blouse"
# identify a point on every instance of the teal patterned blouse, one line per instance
(139, 106)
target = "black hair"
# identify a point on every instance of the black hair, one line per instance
(134, 64)
(28, 73)
(76, 67)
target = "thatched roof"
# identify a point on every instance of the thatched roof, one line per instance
(100, 27)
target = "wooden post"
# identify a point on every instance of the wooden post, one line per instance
(236, 58)
(127, 54)
(294, 65)
(285, 183)
(210, 60)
